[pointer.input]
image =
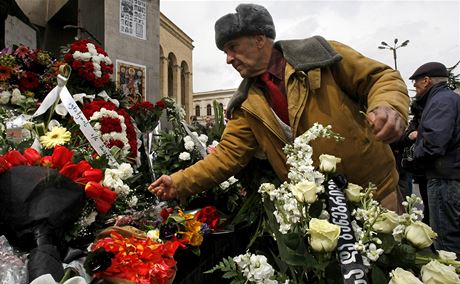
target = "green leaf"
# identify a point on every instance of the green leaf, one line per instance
(378, 277)
(230, 274)
(316, 208)
(403, 255)
(388, 242)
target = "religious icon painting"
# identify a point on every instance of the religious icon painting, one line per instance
(131, 80)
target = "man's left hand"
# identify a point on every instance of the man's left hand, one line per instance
(387, 124)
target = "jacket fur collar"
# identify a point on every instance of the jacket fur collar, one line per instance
(303, 55)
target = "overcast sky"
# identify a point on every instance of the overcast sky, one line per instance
(433, 28)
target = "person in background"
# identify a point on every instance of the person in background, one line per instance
(288, 86)
(437, 148)
(406, 142)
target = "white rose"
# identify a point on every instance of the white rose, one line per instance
(323, 235)
(184, 156)
(447, 255)
(386, 222)
(5, 97)
(401, 276)
(328, 163)
(420, 234)
(435, 272)
(305, 191)
(353, 192)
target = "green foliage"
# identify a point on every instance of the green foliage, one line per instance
(378, 277)
(228, 267)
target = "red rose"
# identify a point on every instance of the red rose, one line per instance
(32, 156)
(90, 175)
(15, 158)
(165, 212)
(61, 156)
(102, 196)
(46, 162)
(74, 171)
(161, 104)
(209, 216)
(4, 165)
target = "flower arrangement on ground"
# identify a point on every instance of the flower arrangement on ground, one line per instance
(146, 254)
(327, 229)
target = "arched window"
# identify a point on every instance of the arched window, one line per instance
(208, 110)
(197, 110)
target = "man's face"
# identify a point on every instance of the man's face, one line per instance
(421, 85)
(246, 55)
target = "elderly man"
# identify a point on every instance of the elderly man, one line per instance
(289, 85)
(437, 148)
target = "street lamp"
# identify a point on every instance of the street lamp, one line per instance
(385, 45)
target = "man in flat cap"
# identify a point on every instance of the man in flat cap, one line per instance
(288, 86)
(437, 148)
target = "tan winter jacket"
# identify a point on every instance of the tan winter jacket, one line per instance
(326, 82)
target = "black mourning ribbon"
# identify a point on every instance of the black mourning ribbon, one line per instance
(351, 262)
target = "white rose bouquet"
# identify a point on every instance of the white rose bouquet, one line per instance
(329, 230)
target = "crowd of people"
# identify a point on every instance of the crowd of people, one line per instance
(290, 84)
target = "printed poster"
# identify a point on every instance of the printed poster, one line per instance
(133, 18)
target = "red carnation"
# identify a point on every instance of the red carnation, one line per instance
(76, 65)
(68, 57)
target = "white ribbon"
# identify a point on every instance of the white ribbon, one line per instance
(61, 91)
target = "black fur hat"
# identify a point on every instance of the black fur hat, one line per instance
(249, 19)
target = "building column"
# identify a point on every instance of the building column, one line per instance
(189, 95)
(177, 69)
(164, 79)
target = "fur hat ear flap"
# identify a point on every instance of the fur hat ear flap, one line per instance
(249, 19)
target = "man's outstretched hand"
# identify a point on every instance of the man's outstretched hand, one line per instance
(387, 124)
(163, 188)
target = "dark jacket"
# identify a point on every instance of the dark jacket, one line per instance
(438, 140)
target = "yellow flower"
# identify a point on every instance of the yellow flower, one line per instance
(57, 136)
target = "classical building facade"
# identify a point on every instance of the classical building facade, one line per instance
(203, 109)
(165, 51)
(176, 64)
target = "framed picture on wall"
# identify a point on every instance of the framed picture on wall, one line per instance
(131, 80)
